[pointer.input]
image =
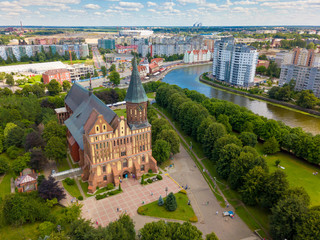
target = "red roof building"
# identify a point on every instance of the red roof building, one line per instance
(58, 74)
(159, 61)
(27, 181)
(153, 67)
(126, 49)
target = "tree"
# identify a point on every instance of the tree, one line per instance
(112, 68)
(261, 70)
(33, 139)
(254, 183)
(286, 216)
(160, 201)
(212, 236)
(66, 85)
(263, 57)
(114, 77)
(171, 202)
(308, 229)
(4, 166)
(213, 132)
(248, 139)
(53, 129)
(82, 229)
(271, 146)
(186, 231)
(9, 80)
(159, 125)
(155, 230)
(56, 149)
(21, 163)
(172, 138)
(37, 159)
(104, 71)
(49, 189)
(121, 229)
(307, 99)
(54, 87)
(161, 151)
(95, 74)
(276, 186)
(46, 228)
(14, 137)
(311, 46)
(228, 154)
(223, 141)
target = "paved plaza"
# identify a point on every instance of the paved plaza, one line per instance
(105, 210)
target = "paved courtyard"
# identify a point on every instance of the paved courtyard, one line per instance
(105, 210)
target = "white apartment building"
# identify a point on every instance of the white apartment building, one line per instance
(195, 56)
(234, 64)
(80, 70)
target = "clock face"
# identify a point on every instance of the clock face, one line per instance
(140, 108)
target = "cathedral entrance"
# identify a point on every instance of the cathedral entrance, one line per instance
(125, 174)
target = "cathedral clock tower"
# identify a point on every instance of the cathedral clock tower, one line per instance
(136, 100)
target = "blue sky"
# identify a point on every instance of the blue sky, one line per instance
(159, 13)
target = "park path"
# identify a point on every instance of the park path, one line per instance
(217, 189)
(76, 179)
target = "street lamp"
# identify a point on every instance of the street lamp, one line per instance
(166, 191)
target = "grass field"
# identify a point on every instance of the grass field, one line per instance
(121, 112)
(73, 190)
(26, 231)
(88, 61)
(5, 185)
(151, 95)
(183, 212)
(84, 186)
(62, 166)
(298, 171)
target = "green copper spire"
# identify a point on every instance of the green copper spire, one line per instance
(135, 93)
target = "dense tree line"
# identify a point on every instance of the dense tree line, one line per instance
(236, 159)
(304, 98)
(110, 95)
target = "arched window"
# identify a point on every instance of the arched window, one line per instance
(125, 163)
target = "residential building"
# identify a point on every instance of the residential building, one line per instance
(195, 56)
(58, 74)
(106, 43)
(284, 57)
(78, 71)
(81, 50)
(209, 44)
(27, 181)
(107, 147)
(298, 56)
(234, 63)
(115, 57)
(126, 49)
(142, 71)
(307, 78)
(144, 62)
(159, 61)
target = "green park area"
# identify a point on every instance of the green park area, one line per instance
(151, 95)
(299, 173)
(121, 112)
(183, 212)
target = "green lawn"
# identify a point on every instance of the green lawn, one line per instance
(74, 165)
(88, 61)
(121, 112)
(183, 212)
(298, 171)
(151, 95)
(84, 186)
(73, 190)
(26, 231)
(62, 166)
(5, 185)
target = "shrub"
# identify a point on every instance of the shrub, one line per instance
(150, 170)
(183, 191)
(142, 179)
(120, 187)
(110, 186)
(101, 196)
(149, 180)
(141, 210)
(13, 152)
(193, 219)
(4, 166)
(277, 162)
(159, 177)
(46, 228)
(171, 202)
(69, 181)
(160, 201)
(51, 203)
(80, 198)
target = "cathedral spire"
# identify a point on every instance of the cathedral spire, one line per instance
(135, 93)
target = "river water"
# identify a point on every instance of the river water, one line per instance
(188, 77)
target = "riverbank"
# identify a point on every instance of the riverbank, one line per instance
(272, 101)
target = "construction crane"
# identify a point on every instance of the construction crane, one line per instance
(70, 55)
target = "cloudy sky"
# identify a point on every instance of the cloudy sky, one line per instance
(159, 12)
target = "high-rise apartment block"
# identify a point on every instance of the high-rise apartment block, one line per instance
(298, 56)
(106, 43)
(234, 63)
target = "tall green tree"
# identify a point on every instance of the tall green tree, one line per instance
(213, 132)
(9, 80)
(161, 151)
(271, 146)
(248, 139)
(172, 138)
(56, 149)
(54, 87)
(66, 85)
(114, 77)
(104, 71)
(171, 202)
(307, 99)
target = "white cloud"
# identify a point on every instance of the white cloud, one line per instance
(184, 2)
(130, 5)
(77, 11)
(247, 2)
(92, 6)
(151, 4)
(112, 11)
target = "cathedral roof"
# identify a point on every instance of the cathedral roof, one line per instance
(76, 96)
(135, 93)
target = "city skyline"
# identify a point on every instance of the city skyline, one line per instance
(159, 13)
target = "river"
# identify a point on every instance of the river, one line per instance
(188, 77)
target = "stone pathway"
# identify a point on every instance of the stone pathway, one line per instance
(134, 194)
